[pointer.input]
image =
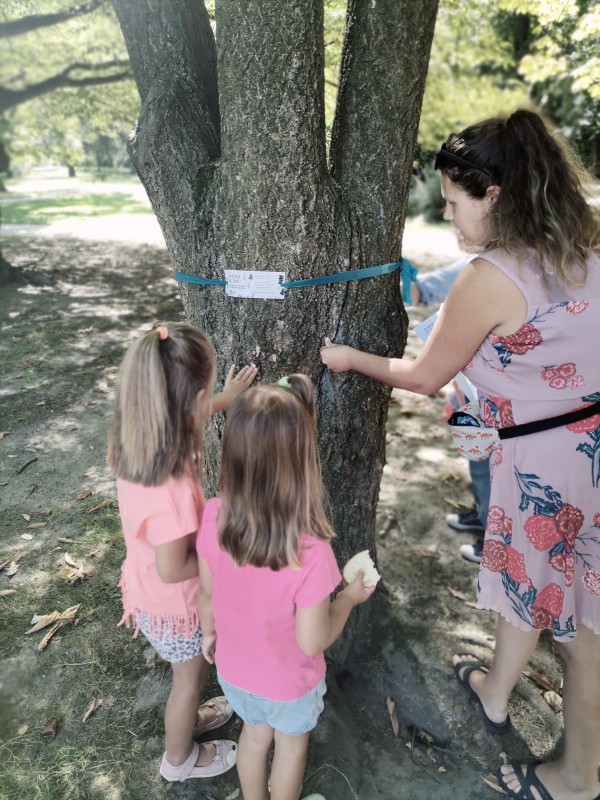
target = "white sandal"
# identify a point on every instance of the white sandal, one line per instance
(223, 711)
(224, 759)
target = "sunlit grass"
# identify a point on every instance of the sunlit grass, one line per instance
(20, 210)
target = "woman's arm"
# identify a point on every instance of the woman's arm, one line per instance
(234, 384)
(205, 609)
(176, 561)
(319, 626)
(481, 301)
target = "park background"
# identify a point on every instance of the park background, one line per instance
(84, 270)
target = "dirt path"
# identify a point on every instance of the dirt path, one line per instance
(60, 347)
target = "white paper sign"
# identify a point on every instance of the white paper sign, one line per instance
(423, 330)
(260, 285)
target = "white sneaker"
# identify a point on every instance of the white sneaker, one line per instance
(472, 552)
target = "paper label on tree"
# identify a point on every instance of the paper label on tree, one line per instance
(259, 285)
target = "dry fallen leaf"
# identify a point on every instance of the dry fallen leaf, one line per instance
(22, 730)
(453, 503)
(456, 593)
(430, 755)
(103, 504)
(234, 795)
(6, 592)
(65, 540)
(27, 536)
(430, 552)
(492, 783)
(37, 524)
(391, 708)
(543, 681)
(83, 494)
(46, 640)
(94, 706)
(40, 622)
(441, 769)
(26, 517)
(76, 570)
(3, 434)
(388, 438)
(50, 729)
(554, 700)
(10, 560)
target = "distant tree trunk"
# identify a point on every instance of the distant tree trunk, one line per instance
(236, 171)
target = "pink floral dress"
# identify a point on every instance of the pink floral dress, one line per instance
(541, 557)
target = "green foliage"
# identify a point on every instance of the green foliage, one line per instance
(471, 71)
(67, 125)
(425, 197)
(562, 66)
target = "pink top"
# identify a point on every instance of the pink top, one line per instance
(255, 609)
(151, 516)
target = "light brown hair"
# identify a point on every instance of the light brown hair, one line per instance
(543, 202)
(156, 430)
(270, 479)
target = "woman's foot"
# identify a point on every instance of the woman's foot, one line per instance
(471, 673)
(544, 781)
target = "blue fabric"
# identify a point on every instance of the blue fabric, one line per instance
(335, 277)
(291, 717)
(481, 484)
(434, 286)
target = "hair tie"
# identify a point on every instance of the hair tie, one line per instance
(163, 333)
(285, 382)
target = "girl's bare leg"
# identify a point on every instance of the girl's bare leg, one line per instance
(253, 761)
(574, 776)
(287, 769)
(181, 713)
(514, 648)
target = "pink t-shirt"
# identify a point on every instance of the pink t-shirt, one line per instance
(255, 609)
(151, 516)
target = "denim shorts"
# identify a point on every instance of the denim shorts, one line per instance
(174, 649)
(291, 717)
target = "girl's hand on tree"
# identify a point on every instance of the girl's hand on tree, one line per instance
(208, 646)
(237, 383)
(356, 591)
(234, 385)
(337, 357)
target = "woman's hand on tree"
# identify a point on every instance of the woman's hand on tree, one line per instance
(336, 357)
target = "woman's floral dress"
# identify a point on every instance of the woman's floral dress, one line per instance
(541, 556)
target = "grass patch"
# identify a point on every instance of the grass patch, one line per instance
(21, 210)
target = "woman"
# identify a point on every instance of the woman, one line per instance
(523, 319)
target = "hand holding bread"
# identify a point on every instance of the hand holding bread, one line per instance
(361, 562)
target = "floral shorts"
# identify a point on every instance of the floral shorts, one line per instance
(174, 649)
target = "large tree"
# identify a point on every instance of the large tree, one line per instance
(230, 144)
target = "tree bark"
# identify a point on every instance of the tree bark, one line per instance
(255, 192)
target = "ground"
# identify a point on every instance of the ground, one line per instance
(98, 283)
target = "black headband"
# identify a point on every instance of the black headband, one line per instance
(445, 155)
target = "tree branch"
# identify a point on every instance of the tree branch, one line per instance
(14, 97)
(382, 78)
(33, 22)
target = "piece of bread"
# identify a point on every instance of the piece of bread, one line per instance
(361, 561)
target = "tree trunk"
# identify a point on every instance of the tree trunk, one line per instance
(239, 179)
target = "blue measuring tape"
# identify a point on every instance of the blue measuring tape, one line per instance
(409, 273)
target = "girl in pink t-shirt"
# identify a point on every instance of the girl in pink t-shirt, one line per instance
(266, 574)
(163, 398)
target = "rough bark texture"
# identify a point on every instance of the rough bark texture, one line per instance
(239, 180)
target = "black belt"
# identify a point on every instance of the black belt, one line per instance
(551, 422)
